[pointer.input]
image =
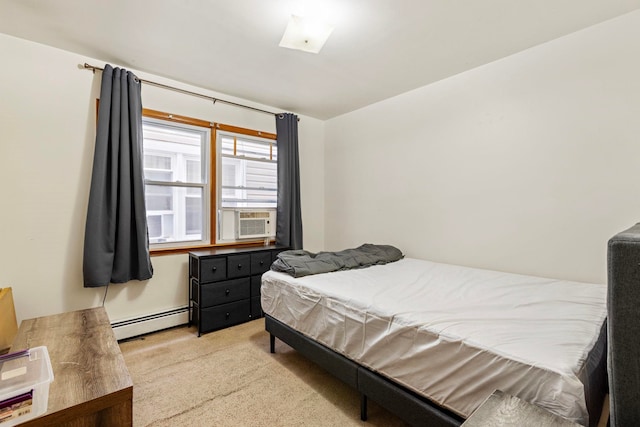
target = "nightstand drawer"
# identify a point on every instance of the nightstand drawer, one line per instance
(238, 265)
(260, 262)
(225, 315)
(224, 292)
(214, 269)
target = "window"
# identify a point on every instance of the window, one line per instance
(249, 172)
(176, 182)
(248, 177)
(207, 184)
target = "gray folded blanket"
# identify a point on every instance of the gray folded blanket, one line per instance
(300, 263)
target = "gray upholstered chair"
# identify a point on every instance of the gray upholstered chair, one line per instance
(624, 327)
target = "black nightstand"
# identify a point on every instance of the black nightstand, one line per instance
(224, 285)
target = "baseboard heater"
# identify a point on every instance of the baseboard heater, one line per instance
(150, 323)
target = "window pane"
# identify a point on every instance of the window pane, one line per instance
(194, 173)
(175, 214)
(160, 227)
(248, 148)
(167, 228)
(157, 162)
(174, 149)
(193, 210)
(245, 182)
(176, 171)
(158, 198)
(153, 175)
(261, 174)
(154, 224)
(247, 173)
(251, 199)
(231, 173)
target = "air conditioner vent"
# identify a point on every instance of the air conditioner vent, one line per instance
(253, 224)
(253, 214)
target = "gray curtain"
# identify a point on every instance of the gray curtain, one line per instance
(289, 222)
(116, 242)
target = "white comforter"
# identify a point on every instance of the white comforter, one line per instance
(451, 333)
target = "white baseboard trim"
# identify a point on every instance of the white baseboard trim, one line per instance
(151, 323)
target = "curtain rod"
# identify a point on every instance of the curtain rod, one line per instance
(199, 95)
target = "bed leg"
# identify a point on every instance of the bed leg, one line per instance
(363, 407)
(272, 343)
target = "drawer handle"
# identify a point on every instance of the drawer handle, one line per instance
(214, 268)
(227, 292)
(239, 266)
(228, 315)
(261, 262)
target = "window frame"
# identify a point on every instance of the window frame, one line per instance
(212, 177)
(244, 163)
(180, 188)
(247, 167)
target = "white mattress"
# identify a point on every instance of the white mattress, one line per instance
(451, 333)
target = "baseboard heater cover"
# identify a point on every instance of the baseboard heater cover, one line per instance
(150, 323)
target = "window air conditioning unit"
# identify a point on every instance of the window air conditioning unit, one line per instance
(252, 224)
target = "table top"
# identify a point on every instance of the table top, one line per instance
(504, 410)
(222, 250)
(88, 367)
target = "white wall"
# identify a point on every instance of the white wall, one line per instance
(528, 164)
(47, 135)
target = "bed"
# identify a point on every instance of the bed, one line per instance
(431, 341)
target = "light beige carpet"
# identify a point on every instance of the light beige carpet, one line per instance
(229, 378)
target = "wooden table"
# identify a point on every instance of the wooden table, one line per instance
(504, 410)
(91, 385)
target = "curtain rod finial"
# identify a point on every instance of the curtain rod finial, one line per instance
(86, 66)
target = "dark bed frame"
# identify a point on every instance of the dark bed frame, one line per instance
(406, 404)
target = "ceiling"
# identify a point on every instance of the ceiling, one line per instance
(378, 48)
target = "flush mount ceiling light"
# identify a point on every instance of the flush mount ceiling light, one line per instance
(305, 34)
